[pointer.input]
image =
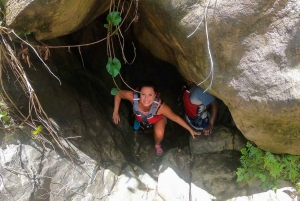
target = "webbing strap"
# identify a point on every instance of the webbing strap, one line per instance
(136, 103)
(153, 108)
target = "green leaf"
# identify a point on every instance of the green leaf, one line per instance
(6, 119)
(275, 171)
(244, 151)
(37, 130)
(113, 66)
(116, 32)
(3, 114)
(262, 177)
(19, 33)
(114, 91)
(22, 33)
(26, 33)
(106, 26)
(253, 151)
(240, 178)
(114, 18)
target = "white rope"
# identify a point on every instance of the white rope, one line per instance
(211, 72)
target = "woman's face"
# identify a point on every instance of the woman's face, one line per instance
(147, 96)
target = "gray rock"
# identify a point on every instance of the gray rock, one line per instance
(220, 139)
(51, 19)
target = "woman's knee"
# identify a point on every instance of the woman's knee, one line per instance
(159, 127)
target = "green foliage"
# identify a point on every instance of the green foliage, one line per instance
(22, 33)
(267, 167)
(113, 66)
(114, 18)
(114, 91)
(4, 117)
(37, 130)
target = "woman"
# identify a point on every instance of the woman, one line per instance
(148, 103)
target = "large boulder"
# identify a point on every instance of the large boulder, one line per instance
(52, 18)
(255, 53)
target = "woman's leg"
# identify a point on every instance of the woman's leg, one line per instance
(159, 131)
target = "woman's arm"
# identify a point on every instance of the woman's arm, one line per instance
(214, 111)
(166, 111)
(123, 94)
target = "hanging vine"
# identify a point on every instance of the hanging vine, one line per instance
(115, 21)
(37, 118)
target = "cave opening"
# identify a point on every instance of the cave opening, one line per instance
(141, 65)
(92, 82)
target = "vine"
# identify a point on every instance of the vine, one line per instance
(43, 128)
(113, 65)
(37, 119)
(12, 117)
(114, 29)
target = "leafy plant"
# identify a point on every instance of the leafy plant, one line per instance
(113, 26)
(37, 130)
(4, 117)
(22, 33)
(267, 167)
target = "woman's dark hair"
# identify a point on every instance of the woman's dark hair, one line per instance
(148, 84)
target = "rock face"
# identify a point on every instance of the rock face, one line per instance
(222, 139)
(52, 18)
(31, 171)
(254, 48)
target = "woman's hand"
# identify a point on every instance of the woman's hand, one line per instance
(193, 133)
(116, 117)
(208, 129)
(123, 94)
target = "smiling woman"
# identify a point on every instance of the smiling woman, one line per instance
(149, 109)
